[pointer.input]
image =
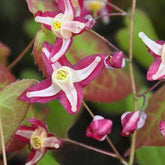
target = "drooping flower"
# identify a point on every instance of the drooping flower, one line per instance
(157, 50)
(38, 137)
(99, 128)
(65, 82)
(115, 61)
(64, 25)
(132, 121)
(98, 8)
(162, 128)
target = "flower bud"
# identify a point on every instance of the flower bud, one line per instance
(162, 128)
(99, 128)
(132, 121)
(115, 61)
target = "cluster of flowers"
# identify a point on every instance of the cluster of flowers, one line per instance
(65, 82)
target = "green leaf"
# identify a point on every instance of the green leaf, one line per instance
(150, 134)
(43, 5)
(48, 159)
(13, 111)
(58, 120)
(141, 23)
(151, 155)
(5, 77)
(109, 86)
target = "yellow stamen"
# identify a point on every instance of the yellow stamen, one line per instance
(36, 142)
(57, 25)
(61, 74)
(94, 6)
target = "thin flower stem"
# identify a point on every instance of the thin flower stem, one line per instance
(110, 15)
(131, 159)
(21, 55)
(107, 138)
(3, 144)
(91, 148)
(105, 40)
(150, 89)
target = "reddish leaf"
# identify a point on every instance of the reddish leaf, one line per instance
(5, 77)
(150, 134)
(110, 86)
(4, 53)
(43, 5)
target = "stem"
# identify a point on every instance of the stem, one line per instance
(110, 15)
(21, 55)
(105, 40)
(131, 160)
(107, 138)
(90, 148)
(150, 89)
(3, 144)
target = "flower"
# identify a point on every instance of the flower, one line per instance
(38, 137)
(64, 25)
(157, 50)
(162, 128)
(65, 82)
(132, 121)
(115, 61)
(98, 8)
(99, 128)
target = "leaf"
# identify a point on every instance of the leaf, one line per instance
(43, 5)
(5, 77)
(150, 155)
(4, 53)
(48, 157)
(109, 86)
(58, 120)
(150, 134)
(141, 23)
(13, 111)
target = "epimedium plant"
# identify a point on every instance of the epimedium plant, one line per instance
(62, 52)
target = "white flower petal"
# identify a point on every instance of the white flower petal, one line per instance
(44, 20)
(156, 48)
(50, 91)
(79, 75)
(160, 72)
(24, 133)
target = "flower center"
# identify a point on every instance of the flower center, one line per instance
(56, 25)
(61, 74)
(36, 142)
(163, 54)
(94, 6)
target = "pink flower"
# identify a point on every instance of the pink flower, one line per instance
(99, 128)
(65, 82)
(162, 128)
(38, 137)
(115, 61)
(98, 8)
(132, 121)
(157, 50)
(64, 25)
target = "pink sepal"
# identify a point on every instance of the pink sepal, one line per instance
(35, 156)
(65, 102)
(38, 123)
(132, 121)
(153, 69)
(85, 62)
(161, 42)
(99, 128)
(46, 14)
(162, 128)
(115, 60)
(37, 87)
(23, 138)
